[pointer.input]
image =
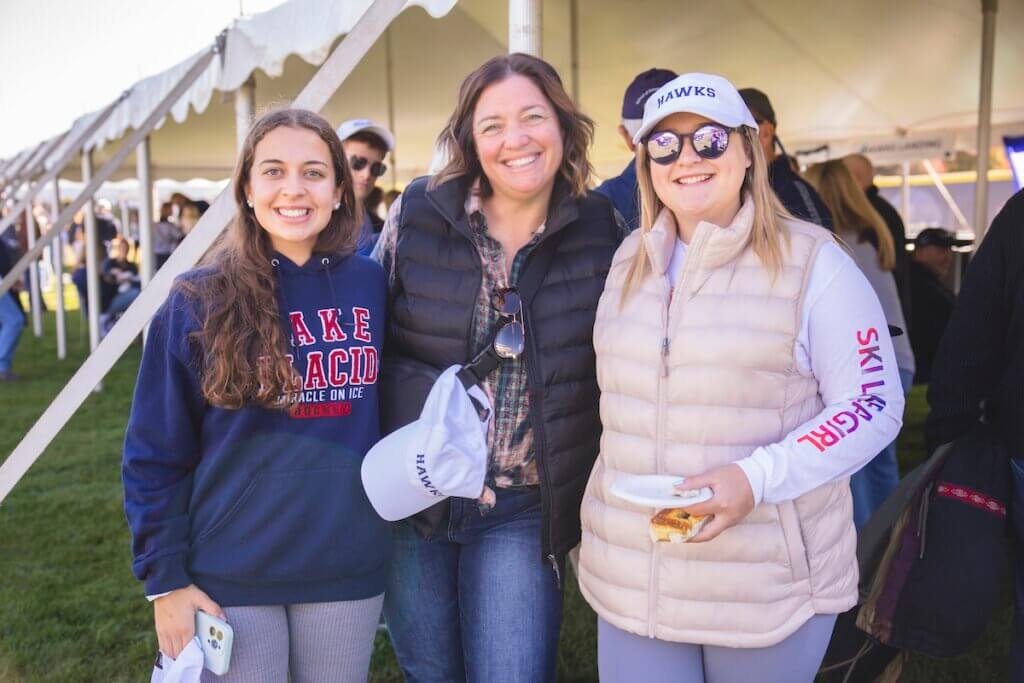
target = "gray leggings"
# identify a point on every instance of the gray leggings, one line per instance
(624, 657)
(313, 643)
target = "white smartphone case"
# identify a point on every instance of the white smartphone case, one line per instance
(216, 637)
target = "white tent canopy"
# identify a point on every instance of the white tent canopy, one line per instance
(835, 71)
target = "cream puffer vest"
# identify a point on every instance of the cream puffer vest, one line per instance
(692, 381)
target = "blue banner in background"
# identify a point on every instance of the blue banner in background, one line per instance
(1015, 153)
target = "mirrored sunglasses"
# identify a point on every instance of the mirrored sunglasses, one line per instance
(510, 341)
(710, 141)
(377, 169)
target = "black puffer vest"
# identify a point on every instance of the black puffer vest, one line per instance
(436, 279)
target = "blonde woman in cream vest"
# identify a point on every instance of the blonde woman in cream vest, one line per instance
(744, 350)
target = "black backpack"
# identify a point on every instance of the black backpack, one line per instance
(933, 562)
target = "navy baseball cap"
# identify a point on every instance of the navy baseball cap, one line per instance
(642, 87)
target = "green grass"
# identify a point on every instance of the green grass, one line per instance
(70, 609)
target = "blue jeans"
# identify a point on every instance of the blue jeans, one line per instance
(1017, 521)
(476, 603)
(12, 320)
(872, 485)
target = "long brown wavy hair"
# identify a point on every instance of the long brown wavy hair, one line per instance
(241, 342)
(456, 139)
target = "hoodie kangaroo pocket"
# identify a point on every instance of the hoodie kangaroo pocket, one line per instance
(294, 526)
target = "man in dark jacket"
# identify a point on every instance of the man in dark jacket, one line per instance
(933, 301)
(12, 319)
(622, 189)
(795, 193)
(863, 172)
(979, 368)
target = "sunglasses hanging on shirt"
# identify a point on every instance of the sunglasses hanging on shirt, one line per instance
(709, 142)
(377, 169)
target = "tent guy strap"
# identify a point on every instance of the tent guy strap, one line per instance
(324, 83)
(108, 169)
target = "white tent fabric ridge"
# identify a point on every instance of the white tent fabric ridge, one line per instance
(263, 41)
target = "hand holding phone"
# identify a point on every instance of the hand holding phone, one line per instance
(216, 637)
(175, 617)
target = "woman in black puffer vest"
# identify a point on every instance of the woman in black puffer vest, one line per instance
(476, 591)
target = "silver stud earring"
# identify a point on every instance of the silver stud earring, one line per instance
(337, 206)
(249, 202)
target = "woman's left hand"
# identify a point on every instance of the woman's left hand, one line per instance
(732, 501)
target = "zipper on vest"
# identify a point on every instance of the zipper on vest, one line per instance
(659, 438)
(664, 356)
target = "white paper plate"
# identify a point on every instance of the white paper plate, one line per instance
(658, 491)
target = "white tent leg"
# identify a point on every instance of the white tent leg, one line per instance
(961, 219)
(574, 48)
(57, 255)
(92, 259)
(988, 50)
(143, 171)
(524, 27)
(245, 108)
(905, 194)
(35, 300)
(389, 84)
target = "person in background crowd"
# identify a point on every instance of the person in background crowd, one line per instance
(166, 235)
(475, 592)
(241, 465)
(366, 146)
(122, 274)
(930, 269)
(979, 370)
(872, 247)
(12, 318)
(622, 189)
(188, 218)
(729, 337)
(795, 193)
(106, 225)
(864, 173)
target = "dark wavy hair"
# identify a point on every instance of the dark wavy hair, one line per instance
(241, 343)
(456, 140)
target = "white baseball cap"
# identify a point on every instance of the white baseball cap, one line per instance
(442, 454)
(349, 128)
(704, 94)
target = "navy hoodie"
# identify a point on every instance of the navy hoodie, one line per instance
(259, 506)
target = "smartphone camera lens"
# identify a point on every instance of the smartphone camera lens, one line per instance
(213, 631)
(220, 635)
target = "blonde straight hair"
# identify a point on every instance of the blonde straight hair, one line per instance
(852, 212)
(768, 234)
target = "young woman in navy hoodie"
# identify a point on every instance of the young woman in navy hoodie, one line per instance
(255, 404)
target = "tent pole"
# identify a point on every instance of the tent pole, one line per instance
(314, 96)
(988, 42)
(35, 300)
(57, 255)
(113, 164)
(245, 108)
(524, 27)
(18, 172)
(961, 219)
(389, 83)
(905, 194)
(70, 153)
(126, 223)
(92, 258)
(142, 169)
(574, 48)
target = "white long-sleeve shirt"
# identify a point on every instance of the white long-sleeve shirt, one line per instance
(844, 342)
